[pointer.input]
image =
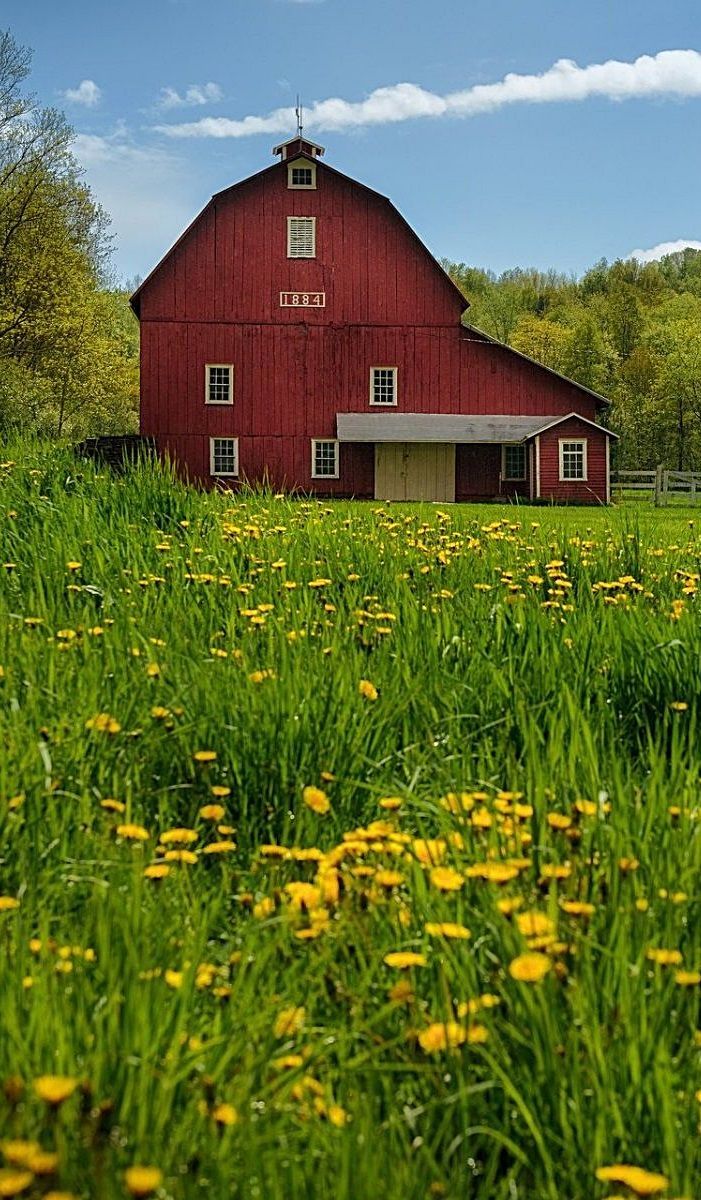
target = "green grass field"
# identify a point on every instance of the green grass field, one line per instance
(251, 747)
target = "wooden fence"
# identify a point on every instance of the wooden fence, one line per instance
(661, 486)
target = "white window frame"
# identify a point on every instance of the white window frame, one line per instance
(289, 237)
(223, 474)
(573, 441)
(299, 164)
(512, 478)
(395, 374)
(330, 442)
(208, 367)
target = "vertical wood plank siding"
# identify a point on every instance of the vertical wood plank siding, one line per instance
(216, 299)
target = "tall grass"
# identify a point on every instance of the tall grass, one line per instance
(500, 666)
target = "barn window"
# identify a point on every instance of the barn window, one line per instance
(573, 459)
(224, 456)
(324, 459)
(383, 386)
(301, 237)
(219, 383)
(513, 462)
(301, 175)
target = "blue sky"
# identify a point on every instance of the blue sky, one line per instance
(551, 166)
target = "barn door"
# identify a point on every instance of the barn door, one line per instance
(414, 471)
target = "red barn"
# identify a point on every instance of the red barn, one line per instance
(300, 333)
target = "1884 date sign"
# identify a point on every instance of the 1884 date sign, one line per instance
(303, 299)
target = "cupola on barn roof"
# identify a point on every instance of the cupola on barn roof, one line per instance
(298, 145)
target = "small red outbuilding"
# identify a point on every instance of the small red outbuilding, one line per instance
(300, 333)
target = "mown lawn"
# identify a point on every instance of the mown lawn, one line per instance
(251, 748)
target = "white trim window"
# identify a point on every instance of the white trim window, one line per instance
(301, 237)
(301, 175)
(573, 460)
(324, 458)
(383, 387)
(224, 457)
(513, 462)
(218, 383)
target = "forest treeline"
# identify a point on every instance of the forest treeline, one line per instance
(69, 342)
(629, 330)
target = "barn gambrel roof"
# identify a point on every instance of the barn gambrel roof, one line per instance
(480, 335)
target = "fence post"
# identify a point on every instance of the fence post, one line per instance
(658, 485)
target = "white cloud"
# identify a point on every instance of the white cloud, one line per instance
(669, 73)
(195, 96)
(147, 192)
(659, 251)
(87, 93)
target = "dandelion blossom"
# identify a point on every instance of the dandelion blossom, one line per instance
(529, 968)
(289, 1021)
(54, 1089)
(643, 1183)
(446, 879)
(403, 959)
(317, 800)
(142, 1181)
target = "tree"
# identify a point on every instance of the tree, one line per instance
(62, 335)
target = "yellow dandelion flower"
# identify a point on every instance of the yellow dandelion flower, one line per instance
(181, 856)
(679, 706)
(447, 929)
(687, 978)
(529, 968)
(389, 879)
(220, 790)
(110, 805)
(442, 1035)
(178, 837)
(289, 1021)
(13, 1181)
(157, 871)
(534, 924)
(174, 979)
(577, 908)
(225, 1114)
(212, 812)
(205, 756)
(103, 723)
(367, 689)
(8, 903)
(446, 879)
(663, 957)
(390, 802)
(54, 1089)
(133, 833)
(493, 872)
(43, 1162)
(317, 800)
(401, 960)
(142, 1181)
(643, 1183)
(220, 848)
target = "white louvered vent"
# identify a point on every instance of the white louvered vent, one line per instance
(301, 237)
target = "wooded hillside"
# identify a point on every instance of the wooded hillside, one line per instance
(629, 330)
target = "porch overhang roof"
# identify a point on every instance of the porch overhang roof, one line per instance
(440, 427)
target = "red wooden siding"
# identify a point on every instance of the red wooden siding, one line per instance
(215, 299)
(588, 491)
